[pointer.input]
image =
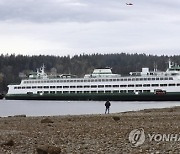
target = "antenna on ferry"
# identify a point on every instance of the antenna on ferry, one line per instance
(169, 62)
(155, 67)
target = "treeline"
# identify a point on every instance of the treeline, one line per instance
(11, 66)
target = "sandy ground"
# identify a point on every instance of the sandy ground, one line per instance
(88, 134)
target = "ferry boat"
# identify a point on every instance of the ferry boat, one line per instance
(101, 85)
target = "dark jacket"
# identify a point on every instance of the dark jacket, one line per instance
(107, 104)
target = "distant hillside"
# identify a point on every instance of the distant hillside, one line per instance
(11, 65)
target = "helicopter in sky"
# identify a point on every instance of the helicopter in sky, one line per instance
(129, 4)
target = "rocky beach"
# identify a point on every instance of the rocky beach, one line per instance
(152, 131)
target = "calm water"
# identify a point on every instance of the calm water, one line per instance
(47, 108)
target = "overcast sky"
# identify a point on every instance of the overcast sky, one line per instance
(68, 27)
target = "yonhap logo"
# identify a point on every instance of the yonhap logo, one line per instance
(137, 137)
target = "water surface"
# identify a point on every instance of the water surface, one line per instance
(49, 108)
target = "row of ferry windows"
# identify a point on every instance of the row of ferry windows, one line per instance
(107, 91)
(97, 80)
(100, 86)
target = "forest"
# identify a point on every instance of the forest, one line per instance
(15, 67)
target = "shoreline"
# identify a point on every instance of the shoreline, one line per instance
(92, 133)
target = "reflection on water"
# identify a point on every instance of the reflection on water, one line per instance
(48, 108)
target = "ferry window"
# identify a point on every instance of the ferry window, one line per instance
(99, 80)
(92, 80)
(141, 79)
(103, 80)
(107, 85)
(79, 86)
(165, 78)
(118, 79)
(19, 87)
(79, 92)
(46, 87)
(72, 92)
(33, 87)
(38, 81)
(57, 80)
(157, 78)
(28, 87)
(130, 85)
(178, 84)
(129, 79)
(59, 86)
(51, 81)
(137, 79)
(59, 92)
(64, 86)
(140, 91)
(67, 80)
(125, 79)
(123, 85)
(81, 80)
(107, 91)
(163, 85)
(133, 79)
(93, 91)
(130, 91)
(86, 86)
(15, 87)
(72, 86)
(146, 91)
(46, 92)
(39, 92)
(65, 92)
(110, 79)
(48, 81)
(25, 81)
(52, 86)
(149, 78)
(170, 78)
(122, 91)
(100, 86)
(115, 91)
(146, 85)
(145, 79)
(93, 86)
(114, 80)
(122, 80)
(63, 80)
(171, 85)
(52, 92)
(86, 91)
(115, 85)
(155, 85)
(74, 80)
(153, 78)
(100, 91)
(161, 78)
(23, 87)
(39, 86)
(139, 85)
(107, 79)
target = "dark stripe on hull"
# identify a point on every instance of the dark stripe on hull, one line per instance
(99, 97)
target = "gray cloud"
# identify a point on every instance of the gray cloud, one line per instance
(80, 10)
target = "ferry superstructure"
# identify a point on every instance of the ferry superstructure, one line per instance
(102, 84)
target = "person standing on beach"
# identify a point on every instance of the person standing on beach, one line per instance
(107, 105)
